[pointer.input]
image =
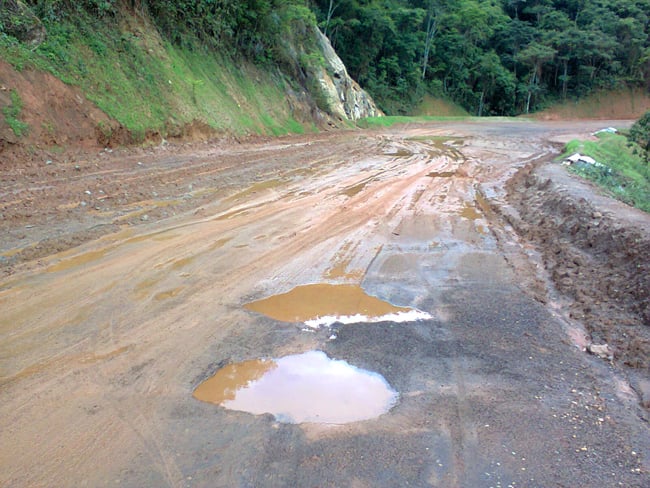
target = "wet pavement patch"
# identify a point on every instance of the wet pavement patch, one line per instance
(308, 387)
(79, 260)
(324, 304)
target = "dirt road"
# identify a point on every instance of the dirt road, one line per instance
(104, 344)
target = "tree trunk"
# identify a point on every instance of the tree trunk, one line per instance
(330, 12)
(530, 89)
(565, 79)
(431, 32)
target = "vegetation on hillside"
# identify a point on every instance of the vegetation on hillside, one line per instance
(640, 134)
(622, 164)
(158, 65)
(493, 57)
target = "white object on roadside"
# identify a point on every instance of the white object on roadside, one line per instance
(608, 130)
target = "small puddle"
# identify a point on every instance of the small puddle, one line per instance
(357, 188)
(164, 295)
(257, 187)
(81, 259)
(354, 190)
(400, 153)
(441, 174)
(470, 212)
(308, 387)
(324, 304)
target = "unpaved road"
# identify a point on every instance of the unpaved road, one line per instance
(103, 345)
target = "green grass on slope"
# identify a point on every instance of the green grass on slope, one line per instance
(625, 173)
(391, 120)
(149, 85)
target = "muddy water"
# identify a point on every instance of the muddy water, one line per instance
(470, 212)
(441, 174)
(308, 387)
(324, 304)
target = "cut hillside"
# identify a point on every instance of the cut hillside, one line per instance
(119, 78)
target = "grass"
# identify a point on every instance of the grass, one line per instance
(391, 120)
(625, 175)
(12, 114)
(149, 85)
(431, 105)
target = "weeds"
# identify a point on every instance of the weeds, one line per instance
(625, 174)
(12, 114)
(148, 85)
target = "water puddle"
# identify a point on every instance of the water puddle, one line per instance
(325, 304)
(354, 190)
(308, 387)
(341, 263)
(85, 258)
(441, 174)
(218, 244)
(255, 188)
(399, 153)
(164, 295)
(470, 212)
(181, 263)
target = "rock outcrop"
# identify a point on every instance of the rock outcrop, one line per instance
(341, 96)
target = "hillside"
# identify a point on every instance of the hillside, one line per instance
(81, 75)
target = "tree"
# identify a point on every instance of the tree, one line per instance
(640, 133)
(535, 55)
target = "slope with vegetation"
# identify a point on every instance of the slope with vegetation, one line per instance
(622, 167)
(159, 68)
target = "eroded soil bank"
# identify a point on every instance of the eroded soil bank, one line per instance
(596, 252)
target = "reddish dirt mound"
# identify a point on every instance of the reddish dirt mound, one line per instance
(57, 114)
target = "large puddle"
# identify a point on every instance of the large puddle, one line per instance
(325, 304)
(308, 387)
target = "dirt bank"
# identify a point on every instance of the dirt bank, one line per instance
(596, 252)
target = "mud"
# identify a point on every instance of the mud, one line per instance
(114, 312)
(595, 250)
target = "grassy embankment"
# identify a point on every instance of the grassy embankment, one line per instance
(149, 85)
(624, 174)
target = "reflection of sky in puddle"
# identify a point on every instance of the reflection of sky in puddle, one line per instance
(325, 304)
(308, 387)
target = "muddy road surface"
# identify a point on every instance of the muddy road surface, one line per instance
(374, 259)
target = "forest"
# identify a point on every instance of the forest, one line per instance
(492, 57)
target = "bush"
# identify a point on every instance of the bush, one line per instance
(640, 133)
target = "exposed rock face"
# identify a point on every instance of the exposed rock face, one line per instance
(340, 95)
(18, 20)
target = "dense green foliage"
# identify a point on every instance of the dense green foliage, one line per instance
(640, 134)
(622, 171)
(494, 57)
